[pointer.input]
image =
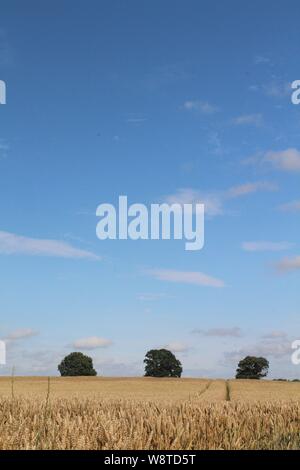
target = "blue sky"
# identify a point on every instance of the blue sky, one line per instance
(160, 101)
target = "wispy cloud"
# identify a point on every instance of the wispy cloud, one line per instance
(114, 368)
(248, 119)
(177, 347)
(274, 346)
(276, 334)
(277, 88)
(6, 53)
(33, 361)
(248, 188)
(234, 332)
(92, 342)
(201, 106)
(136, 120)
(150, 296)
(21, 333)
(266, 246)
(285, 160)
(185, 277)
(12, 244)
(214, 200)
(260, 59)
(293, 206)
(215, 143)
(288, 264)
(253, 87)
(166, 74)
(4, 149)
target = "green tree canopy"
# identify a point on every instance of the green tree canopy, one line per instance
(162, 363)
(252, 367)
(76, 364)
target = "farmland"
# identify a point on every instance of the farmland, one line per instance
(148, 413)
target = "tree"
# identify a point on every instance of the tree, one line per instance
(76, 364)
(252, 367)
(162, 363)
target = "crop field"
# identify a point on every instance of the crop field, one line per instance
(147, 413)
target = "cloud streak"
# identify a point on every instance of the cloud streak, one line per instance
(266, 246)
(13, 244)
(248, 120)
(4, 149)
(277, 347)
(293, 206)
(151, 296)
(259, 59)
(214, 200)
(92, 342)
(136, 120)
(288, 264)
(201, 106)
(21, 333)
(186, 277)
(234, 332)
(275, 335)
(249, 188)
(277, 89)
(177, 347)
(284, 160)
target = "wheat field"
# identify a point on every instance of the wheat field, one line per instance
(146, 413)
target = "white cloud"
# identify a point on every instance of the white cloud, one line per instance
(215, 142)
(164, 75)
(92, 342)
(44, 362)
(112, 367)
(135, 120)
(4, 149)
(32, 361)
(279, 348)
(253, 87)
(234, 332)
(289, 264)
(285, 160)
(276, 334)
(266, 246)
(176, 347)
(248, 188)
(11, 244)
(248, 119)
(259, 59)
(21, 333)
(214, 200)
(6, 55)
(201, 106)
(277, 88)
(150, 296)
(186, 277)
(293, 206)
